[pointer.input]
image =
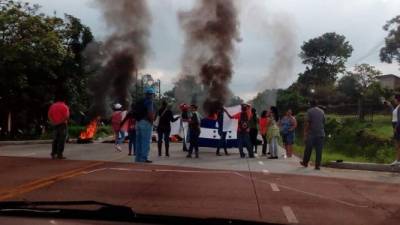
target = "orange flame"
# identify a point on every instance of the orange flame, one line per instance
(90, 130)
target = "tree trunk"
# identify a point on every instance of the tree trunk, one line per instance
(361, 114)
(9, 123)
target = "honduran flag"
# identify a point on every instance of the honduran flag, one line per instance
(209, 136)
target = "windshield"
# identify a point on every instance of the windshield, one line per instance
(259, 111)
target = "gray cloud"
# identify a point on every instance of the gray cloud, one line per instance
(360, 21)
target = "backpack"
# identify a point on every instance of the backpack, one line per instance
(243, 122)
(194, 122)
(116, 120)
(139, 110)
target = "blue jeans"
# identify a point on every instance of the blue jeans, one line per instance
(143, 139)
(318, 144)
(119, 137)
(132, 139)
(244, 141)
(273, 147)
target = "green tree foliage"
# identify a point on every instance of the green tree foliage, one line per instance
(40, 57)
(290, 99)
(325, 57)
(361, 85)
(391, 51)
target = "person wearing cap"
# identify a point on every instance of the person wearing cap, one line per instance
(145, 114)
(59, 115)
(243, 132)
(194, 131)
(116, 119)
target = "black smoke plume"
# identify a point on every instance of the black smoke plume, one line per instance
(211, 29)
(123, 53)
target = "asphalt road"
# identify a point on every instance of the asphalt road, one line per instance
(224, 187)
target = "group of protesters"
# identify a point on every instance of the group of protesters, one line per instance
(138, 123)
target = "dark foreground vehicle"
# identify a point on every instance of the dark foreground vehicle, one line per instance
(92, 212)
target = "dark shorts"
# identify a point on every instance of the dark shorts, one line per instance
(396, 134)
(288, 138)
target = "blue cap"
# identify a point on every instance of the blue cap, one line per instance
(149, 90)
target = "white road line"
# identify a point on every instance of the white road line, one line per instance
(274, 187)
(291, 218)
(265, 171)
(29, 154)
(261, 162)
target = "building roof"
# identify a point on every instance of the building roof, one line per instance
(388, 76)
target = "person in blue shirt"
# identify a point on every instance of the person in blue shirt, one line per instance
(145, 114)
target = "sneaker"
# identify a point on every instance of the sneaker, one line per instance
(53, 156)
(148, 161)
(395, 163)
(317, 168)
(303, 164)
(189, 156)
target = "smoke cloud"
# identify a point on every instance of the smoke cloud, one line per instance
(122, 54)
(281, 31)
(211, 29)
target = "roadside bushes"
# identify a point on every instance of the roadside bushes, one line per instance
(350, 137)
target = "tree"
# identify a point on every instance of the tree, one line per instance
(40, 56)
(290, 99)
(361, 84)
(325, 57)
(391, 51)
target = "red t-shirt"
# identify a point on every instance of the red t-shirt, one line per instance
(58, 113)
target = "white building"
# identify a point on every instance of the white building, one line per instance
(390, 81)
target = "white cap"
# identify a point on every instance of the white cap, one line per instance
(117, 106)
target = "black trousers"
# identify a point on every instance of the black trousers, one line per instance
(163, 134)
(194, 141)
(264, 144)
(253, 139)
(222, 143)
(59, 138)
(318, 144)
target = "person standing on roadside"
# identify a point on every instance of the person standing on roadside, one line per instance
(128, 125)
(116, 120)
(396, 127)
(165, 117)
(288, 125)
(222, 140)
(243, 130)
(263, 124)
(144, 115)
(194, 131)
(184, 120)
(314, 134)
(59, 115)
(273, 132)
(253, 125)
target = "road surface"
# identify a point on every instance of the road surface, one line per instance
(259, 189)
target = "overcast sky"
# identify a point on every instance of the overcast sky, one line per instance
(360, 21)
